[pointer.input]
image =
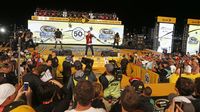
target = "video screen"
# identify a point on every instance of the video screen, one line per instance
(165, 37)
(74, 33)
(193, 39)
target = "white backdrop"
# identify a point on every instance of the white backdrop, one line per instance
(74, 33)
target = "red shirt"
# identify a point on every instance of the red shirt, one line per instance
(89, 39)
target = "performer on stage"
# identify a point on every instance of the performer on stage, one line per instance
(116, 40)
(58, 37)
(89, 43)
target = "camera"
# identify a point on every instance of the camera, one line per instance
(162, 104)
(26, 84)
(119, 74)
(117, 70)
(89, 63)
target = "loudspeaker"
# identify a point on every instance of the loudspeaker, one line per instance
(66, 52)
(105, 53)
(109, 53)
(140, 46)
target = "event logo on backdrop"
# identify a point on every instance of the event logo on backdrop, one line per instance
(74, 33)
(193, 39)
(165, 37)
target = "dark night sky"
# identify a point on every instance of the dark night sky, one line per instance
(133, 13)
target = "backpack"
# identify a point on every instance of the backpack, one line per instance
(111, 89)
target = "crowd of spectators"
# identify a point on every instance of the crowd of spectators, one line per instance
(74, 14)
(83, 91)
(166, 64)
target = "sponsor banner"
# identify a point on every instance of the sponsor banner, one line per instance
(162, 19)
(193, 39)
(74, 33)
(193, 21)
(80, 20)
(165, 37)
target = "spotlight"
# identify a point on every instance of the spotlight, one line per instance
(2, 30)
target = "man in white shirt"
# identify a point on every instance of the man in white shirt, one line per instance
(84, 93)
(172, 66)
(187, 67)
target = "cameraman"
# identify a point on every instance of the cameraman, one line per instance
(111, 85)
(67, 65)
(7, 74)
(78, 75)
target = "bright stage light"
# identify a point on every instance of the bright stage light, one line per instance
(2, 30)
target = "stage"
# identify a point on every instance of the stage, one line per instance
(78, 51)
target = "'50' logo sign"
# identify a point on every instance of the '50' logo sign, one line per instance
(78, 33)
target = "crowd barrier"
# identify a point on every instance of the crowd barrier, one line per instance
(147, 76)
(174, 77)
(158, 89)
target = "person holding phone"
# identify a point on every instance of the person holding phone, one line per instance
(26, 85)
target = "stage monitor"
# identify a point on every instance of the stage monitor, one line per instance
(165, 37)
(74, 33)
(193, 39)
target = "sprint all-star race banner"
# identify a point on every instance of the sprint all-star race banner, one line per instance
(74, 33)
(193, 39)
(165, 37)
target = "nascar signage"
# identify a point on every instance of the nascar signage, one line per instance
(162, 19)
(193, 39)
(193, 21)
(165, 37)
(74, 33)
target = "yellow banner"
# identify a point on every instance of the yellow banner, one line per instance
(166, 19)
(79, 20)
(193, 21)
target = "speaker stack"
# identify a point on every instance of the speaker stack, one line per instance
(140, 42)
(109, 53)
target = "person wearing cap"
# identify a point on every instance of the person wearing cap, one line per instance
(107, 76)
(9, 96)
(67, 65)
(145, 103)
(111, 86)
(23, 108)
(89, 43)
(79, 75)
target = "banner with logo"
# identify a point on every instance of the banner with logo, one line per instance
(74, 33)
(193, 39)
(165, 37)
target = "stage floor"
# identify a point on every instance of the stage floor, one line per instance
(77, 50)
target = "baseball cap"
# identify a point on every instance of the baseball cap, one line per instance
(23, 108)
(138, 85)
(109, 67)
(6, 90)
(29, 60)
